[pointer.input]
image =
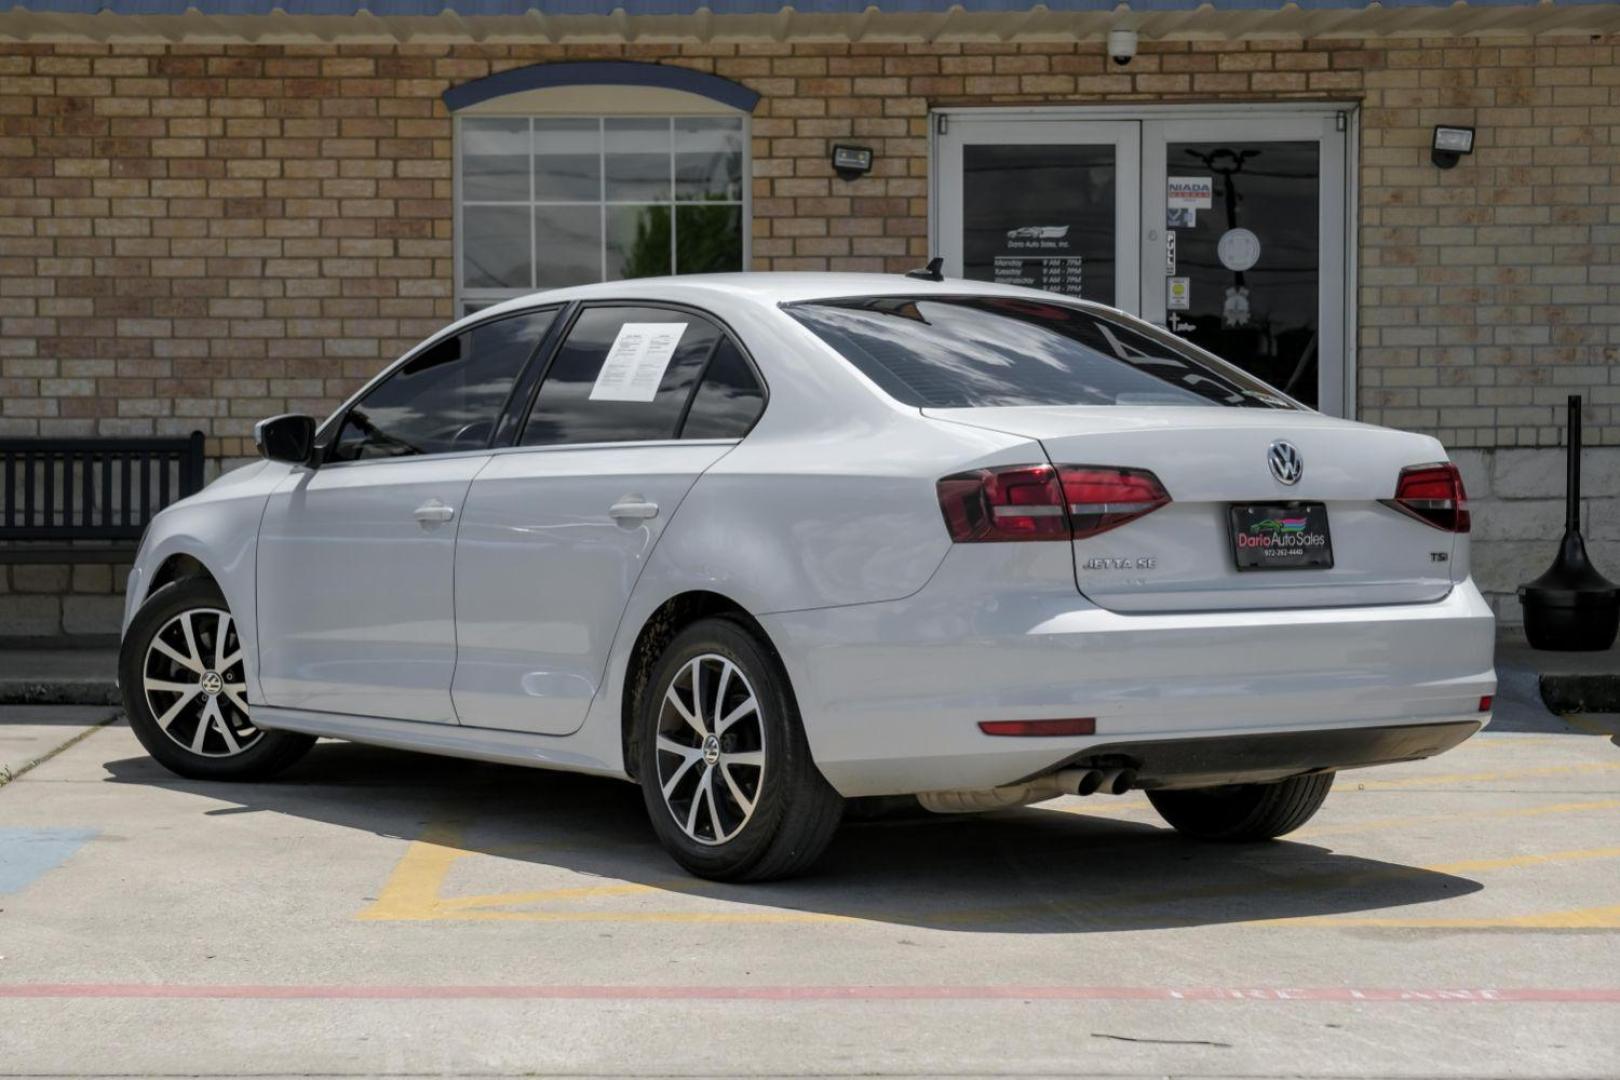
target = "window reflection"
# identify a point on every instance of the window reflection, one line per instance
(987, 351)
(564, 411)
(447, 397)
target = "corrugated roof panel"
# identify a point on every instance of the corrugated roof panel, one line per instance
(477, 8)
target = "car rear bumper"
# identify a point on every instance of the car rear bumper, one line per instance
(1272, 755)
(892, 693)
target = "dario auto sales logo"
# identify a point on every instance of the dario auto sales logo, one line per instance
(1281, 534)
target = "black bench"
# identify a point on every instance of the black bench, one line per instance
(88, 500)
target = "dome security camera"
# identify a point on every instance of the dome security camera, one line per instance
(1122, 46)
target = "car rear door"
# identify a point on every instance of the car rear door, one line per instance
(557, 529)
(356, 557)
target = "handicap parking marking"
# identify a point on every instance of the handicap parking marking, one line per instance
(28, 854)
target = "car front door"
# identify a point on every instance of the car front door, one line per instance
(356, 558)
(635, 404)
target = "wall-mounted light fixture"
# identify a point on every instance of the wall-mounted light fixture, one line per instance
(851, 162)
(1450, 144)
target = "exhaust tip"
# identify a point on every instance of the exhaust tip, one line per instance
(1124, 780)
(1089, 783)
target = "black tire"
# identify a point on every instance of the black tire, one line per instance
(794, 810)
(269, 751)
(1243, 812)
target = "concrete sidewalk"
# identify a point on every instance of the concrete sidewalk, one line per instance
(30, 735)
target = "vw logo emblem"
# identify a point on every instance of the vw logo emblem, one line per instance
(212, 683)
(711, 750)
(1286, 463)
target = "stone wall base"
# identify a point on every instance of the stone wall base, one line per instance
(44, 602)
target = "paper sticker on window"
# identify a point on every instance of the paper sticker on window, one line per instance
(1181, 217)
(1178, 297)
(1197, 192)
(635, 364)
(1238, 249)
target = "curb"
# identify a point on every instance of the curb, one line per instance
(1565, 694)
(59, 692)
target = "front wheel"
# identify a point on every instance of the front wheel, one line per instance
(723, 763)
(1243, 812)
(185, 689)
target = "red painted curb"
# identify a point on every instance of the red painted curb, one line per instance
(1476, 995)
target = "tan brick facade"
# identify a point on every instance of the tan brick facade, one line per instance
(194, 237)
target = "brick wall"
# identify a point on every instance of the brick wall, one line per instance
(194, 237)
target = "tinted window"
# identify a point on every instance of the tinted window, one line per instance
(632, 401)
(445, 398)
(976, 351)
(729, 399)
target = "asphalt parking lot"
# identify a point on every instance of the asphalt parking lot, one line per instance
(381, 912)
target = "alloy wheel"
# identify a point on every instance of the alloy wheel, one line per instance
(195, 684)
(711, 749)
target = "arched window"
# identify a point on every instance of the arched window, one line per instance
(579, 172)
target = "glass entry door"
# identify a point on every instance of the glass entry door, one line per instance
(1046, 205)
(1227, 228)
(1243, 245)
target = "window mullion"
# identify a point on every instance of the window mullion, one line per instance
(674, 199)
(534, 228)
(601, 191)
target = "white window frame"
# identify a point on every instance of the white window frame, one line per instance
(464, 296)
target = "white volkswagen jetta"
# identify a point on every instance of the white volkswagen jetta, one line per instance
(766, 543)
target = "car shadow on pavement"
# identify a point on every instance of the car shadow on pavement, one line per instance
(1030, 870)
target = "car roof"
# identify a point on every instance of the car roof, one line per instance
(773, 288)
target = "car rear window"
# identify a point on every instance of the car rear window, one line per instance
(979, 351)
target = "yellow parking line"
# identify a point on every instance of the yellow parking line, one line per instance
(414, 892)
(1452, 819)
(1593, 918)
(1469, 778)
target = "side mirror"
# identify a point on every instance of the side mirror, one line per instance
(289, 437)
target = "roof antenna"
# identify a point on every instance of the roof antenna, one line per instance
(934, 271)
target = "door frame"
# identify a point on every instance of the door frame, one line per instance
(1344, 115)
(1124, 134)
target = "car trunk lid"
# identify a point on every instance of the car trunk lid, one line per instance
(1182, 556)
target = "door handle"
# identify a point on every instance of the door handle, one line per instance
(434, 512)
(633, 508)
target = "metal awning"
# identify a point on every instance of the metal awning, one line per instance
(827, 20)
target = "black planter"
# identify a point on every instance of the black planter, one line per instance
(1572, 607)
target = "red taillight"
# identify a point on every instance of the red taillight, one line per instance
(1023, 502)
(1040, 502)
(1485, 703)
(1434, 495)
(1101, 499)
(1079, 725)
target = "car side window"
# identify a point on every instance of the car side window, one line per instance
(623, 374)
(728, 400)
(447, 397)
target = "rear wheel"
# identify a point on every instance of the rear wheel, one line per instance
(1243, 812)
(185, 689)
(724, 767)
